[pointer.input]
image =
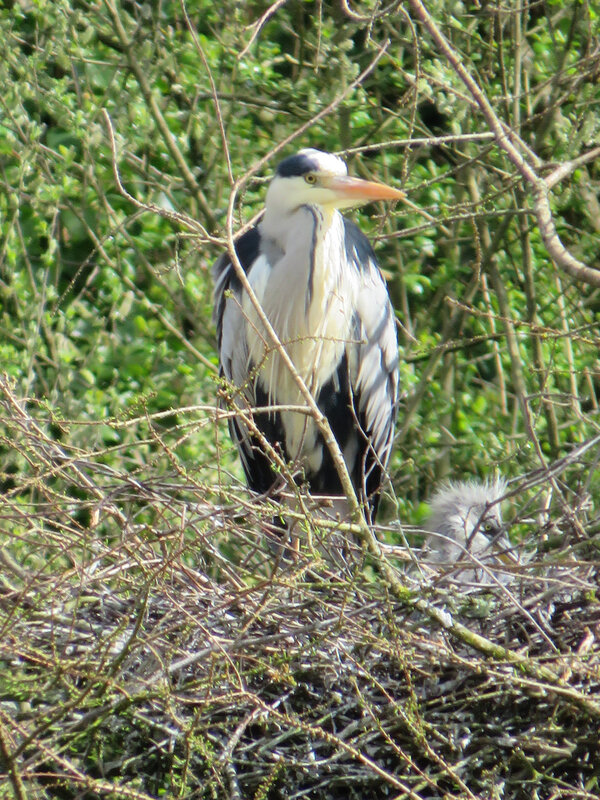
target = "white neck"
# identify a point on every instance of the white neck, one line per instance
(298, 283)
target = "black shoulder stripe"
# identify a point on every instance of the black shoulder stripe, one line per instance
(358, 248)
(247, 248)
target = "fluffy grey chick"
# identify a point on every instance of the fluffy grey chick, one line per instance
(466, 526)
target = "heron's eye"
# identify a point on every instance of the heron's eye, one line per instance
(310, 177)
(488, 526)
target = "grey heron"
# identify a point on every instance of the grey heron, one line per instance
(316, 277)
(466, 527)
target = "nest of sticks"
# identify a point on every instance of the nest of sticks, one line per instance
(153, 645)
(303, 685)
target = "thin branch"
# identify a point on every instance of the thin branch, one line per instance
(161, 123)
(568, 167)
(259, 24)
(420, 141)
(213, 88)
(181, 219)
(10, 766)
(518, 153)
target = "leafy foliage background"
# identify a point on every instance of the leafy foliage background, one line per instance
(111, 458)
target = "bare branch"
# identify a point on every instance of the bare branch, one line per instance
(181, 219)
(519, 154)
(161, 123)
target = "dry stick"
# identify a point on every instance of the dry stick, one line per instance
(509, 330)
(416, 729)
(541, 370)
(320, 733)
(71, 772)
(174, 216)
(259, 24)
(213, 87)
(247, 415)
(161, 123)
(495, 346)
(514, 147)
(568, 348)
(182, 219)
(512, 344)
(428, 141)
(568, 167)
(7, 758)
(449, 332)
(376, 14)
(51, 453)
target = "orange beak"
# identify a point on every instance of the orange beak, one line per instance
(356, 190)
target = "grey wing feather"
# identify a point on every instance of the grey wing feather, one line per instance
(375, 377)
(229, 320)
(227, 315)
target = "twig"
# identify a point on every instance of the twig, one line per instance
(8, 760)
(161, 123)
(213, 88)
(568, 167)
(518, 153)
(259, 24)
(182, 219)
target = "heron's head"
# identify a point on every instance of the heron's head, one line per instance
(314, 178)
(467, 516)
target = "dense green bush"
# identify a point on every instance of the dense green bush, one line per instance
(106, 309)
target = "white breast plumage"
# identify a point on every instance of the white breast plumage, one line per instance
(315, 334)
